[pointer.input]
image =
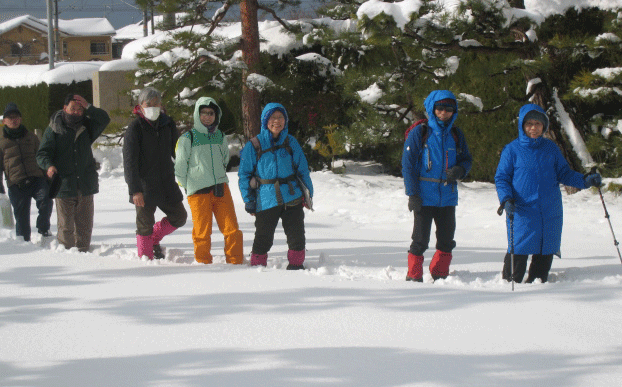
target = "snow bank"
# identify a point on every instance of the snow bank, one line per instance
(63, 73)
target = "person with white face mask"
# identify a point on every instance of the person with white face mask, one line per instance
(148, 153)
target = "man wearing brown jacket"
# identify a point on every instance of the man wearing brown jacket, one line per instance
(25, 180)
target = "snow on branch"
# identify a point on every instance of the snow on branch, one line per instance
(578, 145)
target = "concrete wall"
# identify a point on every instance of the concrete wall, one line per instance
(111, 93)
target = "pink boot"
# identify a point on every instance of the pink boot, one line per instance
(161, 229)
(295, 258)
(144, 245)
(415, 268)
(259, 259)
(439, 267)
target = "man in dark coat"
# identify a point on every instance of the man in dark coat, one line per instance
(66, 149)
(148, 152)
(24, 179)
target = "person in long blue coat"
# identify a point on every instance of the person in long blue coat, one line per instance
(270, 179)
(527, 181)
(435, 157)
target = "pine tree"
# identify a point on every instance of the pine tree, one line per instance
(189, 71)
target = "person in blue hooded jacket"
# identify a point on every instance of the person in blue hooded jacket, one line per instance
(527, 181)
(435, 157)
(270, 187)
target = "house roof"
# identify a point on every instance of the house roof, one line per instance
(73, 27)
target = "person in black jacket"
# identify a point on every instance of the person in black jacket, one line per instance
(66, 150)
(148, 152)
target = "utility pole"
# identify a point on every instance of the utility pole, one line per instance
(56, 34)
(145, 22)
(50, 35)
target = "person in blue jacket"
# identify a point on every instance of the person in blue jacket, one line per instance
(527, 181)
(269, 178)
(435, 157)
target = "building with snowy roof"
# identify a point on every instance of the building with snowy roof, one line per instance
(24, 40)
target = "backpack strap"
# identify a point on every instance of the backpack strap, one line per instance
(278, 181)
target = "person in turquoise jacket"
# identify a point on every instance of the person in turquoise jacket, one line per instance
(270, 180)
(435, 157)
(527, 181)
(202, 155)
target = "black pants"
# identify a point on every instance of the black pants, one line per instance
(445, 221)
(539, 267)
(293, 219)
(21, 198)
(145, 216)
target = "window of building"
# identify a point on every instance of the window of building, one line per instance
(99, 48)
(18, 49)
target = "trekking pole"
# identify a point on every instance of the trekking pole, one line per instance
(511, 216)
(602, 200)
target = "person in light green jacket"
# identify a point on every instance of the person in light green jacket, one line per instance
(201, 160)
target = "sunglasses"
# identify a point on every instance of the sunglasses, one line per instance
(448, 109)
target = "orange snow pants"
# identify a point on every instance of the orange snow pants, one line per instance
(202, 207)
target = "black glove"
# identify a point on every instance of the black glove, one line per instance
(251, 207)
(414, 203)
(510, 208)
(454, 173)
(593, 180)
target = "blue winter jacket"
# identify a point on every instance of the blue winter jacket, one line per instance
(272, 165)
(424, 166)
(530, 171)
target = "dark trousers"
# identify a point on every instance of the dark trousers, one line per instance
(145, 216)
(293, 220)
(20, 200)
(539, 267)
(445, 222)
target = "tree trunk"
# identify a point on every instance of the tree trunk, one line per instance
(251, 112)
(168, 21)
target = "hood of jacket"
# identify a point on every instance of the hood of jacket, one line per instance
(522, 136)
(434, 97)
(57, 124)
(205, 101)
(265, 115)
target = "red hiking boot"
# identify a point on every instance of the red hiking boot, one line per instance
(415, 268)
(439, 267)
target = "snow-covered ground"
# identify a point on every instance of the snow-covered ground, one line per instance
(107, 318)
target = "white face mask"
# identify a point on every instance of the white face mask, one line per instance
(151, 113)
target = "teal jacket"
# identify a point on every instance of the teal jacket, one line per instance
(202, 157)
(71, 153)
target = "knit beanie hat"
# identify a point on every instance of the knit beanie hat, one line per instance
(538, 116)
(446, 102)
(11, 107)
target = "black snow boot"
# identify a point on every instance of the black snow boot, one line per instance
(158, 252)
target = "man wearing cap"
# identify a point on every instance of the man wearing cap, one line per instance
(527, 181)
(25, 180)
(66, 150)
(435, 157)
